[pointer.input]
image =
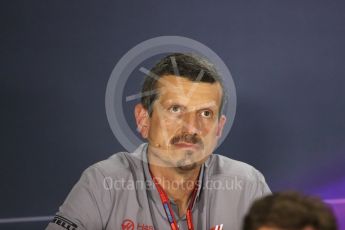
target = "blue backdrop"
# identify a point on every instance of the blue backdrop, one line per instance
(286, 58)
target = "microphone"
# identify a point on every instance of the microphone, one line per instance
(159, 146)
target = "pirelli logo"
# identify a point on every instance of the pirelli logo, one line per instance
(65, 223)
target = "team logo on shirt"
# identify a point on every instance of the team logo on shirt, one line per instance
(127, 224)
(65, 223)
(217, 227)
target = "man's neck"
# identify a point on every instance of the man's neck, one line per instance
(177, 184)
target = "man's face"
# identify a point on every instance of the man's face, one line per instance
(185, 124)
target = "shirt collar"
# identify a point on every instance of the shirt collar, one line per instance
(150, 186)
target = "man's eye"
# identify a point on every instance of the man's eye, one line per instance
(175, 109)
(206, 113)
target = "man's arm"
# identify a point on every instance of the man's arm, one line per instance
(85, 206)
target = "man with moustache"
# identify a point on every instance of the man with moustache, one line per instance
(173, 181)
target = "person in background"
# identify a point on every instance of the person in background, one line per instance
(289, 211)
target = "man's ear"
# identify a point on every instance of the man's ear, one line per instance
(221, 124)
(142, 119)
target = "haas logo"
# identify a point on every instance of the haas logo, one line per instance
(127, 225)
(218, 227)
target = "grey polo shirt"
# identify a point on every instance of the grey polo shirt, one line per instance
(118, 193)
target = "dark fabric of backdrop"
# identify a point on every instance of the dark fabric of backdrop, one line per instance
(286, 59)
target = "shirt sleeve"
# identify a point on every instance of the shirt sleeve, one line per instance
(255, 189)
(86, 205)
(259, 187)
(263, 189)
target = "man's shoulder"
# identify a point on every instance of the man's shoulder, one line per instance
(224, 166)
(119, 164)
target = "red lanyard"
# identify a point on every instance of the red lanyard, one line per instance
(168, 209)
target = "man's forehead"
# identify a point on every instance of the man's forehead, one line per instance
(184, 86)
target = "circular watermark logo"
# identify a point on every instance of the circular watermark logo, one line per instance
(137, 55)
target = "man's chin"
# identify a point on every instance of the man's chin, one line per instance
(187, 167)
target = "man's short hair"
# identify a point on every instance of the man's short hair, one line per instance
(290, 211)
(188, 66)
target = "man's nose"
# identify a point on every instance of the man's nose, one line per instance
(190, 123)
